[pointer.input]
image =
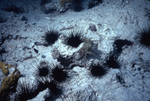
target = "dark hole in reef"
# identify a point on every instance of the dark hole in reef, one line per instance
(119, 43)
(36, 51)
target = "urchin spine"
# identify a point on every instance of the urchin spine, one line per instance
(51, 37)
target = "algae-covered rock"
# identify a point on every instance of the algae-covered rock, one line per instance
(7, 83)
(5, 68)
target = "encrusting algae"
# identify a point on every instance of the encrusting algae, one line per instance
(5, 68)
(8, 83)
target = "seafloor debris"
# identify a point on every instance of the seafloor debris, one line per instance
(5, 68)
(7, 83)
(85, 49)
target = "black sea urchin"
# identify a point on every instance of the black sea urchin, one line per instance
(74, 40)
(42, 71)
(97, 70)
(26, 91)
(144, 37)
(51, 37)
(42, 84)
(54, 88)
(58, 74)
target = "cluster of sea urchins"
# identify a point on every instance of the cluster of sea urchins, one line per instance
(50, 76)
(47, 76)
(48, 73)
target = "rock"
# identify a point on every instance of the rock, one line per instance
(92, 27)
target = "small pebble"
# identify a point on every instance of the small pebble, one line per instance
(92, 27)
(43, 56)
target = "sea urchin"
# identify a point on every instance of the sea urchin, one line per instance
(58, 74)
(51, 37)
(42, 70)
(26, 91)
(55, 89)
(74, 40)
(144, 37)
(97, 70)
